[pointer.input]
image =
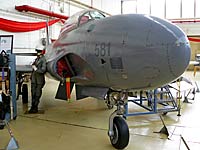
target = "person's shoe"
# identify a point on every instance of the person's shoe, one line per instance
(33, 111)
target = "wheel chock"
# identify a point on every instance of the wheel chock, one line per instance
(13, 144)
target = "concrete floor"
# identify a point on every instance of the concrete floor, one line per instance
(83, 125)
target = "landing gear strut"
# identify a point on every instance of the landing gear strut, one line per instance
(118, 128)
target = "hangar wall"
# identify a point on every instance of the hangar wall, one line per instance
(192, 29)
(27, 41)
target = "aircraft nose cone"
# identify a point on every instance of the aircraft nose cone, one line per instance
(178, 48)
(179, 56)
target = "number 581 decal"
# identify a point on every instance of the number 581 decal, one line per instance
(102, 49)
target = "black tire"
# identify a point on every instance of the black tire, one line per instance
(164, 113)
(25, 94)
(1, 127)
(14, 118)
(1, 124)
(121, 133)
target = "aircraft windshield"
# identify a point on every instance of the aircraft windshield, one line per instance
(82, 18)
(90, 15)
(96, 15)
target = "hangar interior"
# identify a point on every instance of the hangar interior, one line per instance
(84, 124)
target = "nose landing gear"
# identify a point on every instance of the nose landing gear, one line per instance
(118, 128)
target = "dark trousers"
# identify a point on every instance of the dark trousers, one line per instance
(36, 92)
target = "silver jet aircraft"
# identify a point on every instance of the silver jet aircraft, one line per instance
(107, 57)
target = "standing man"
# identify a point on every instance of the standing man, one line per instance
(37, 80)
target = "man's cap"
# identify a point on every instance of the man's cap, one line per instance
(38, 50)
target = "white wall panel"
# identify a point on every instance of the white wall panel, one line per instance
(187, 9)
(97, 4)
(56, 30)
(111, 6)
(158, 11)
(66, 9)
(173, 9)
(27, 41)
(6, 4)
(23, 42)
(87, 2)
(129, 7)
(198, 8)
(143, 6)
(74, 10)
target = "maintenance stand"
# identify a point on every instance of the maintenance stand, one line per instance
(155, 101)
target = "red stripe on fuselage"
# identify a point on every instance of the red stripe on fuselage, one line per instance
(58, 44)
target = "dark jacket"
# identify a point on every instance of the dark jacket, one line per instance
(37, 76)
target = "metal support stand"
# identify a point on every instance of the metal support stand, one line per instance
(186, 100)
(12, 65)
(179, 98)
(164, 128)
(197, 87)
(157, 101)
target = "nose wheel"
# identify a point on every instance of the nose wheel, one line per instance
(120, 138)
(118, 128)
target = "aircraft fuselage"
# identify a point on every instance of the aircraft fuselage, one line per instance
(125, 52)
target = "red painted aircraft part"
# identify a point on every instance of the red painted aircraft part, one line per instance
(27, 8)
(194, 39)
(68, 91)
(185, 21)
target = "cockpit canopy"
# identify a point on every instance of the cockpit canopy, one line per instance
(80, 18)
